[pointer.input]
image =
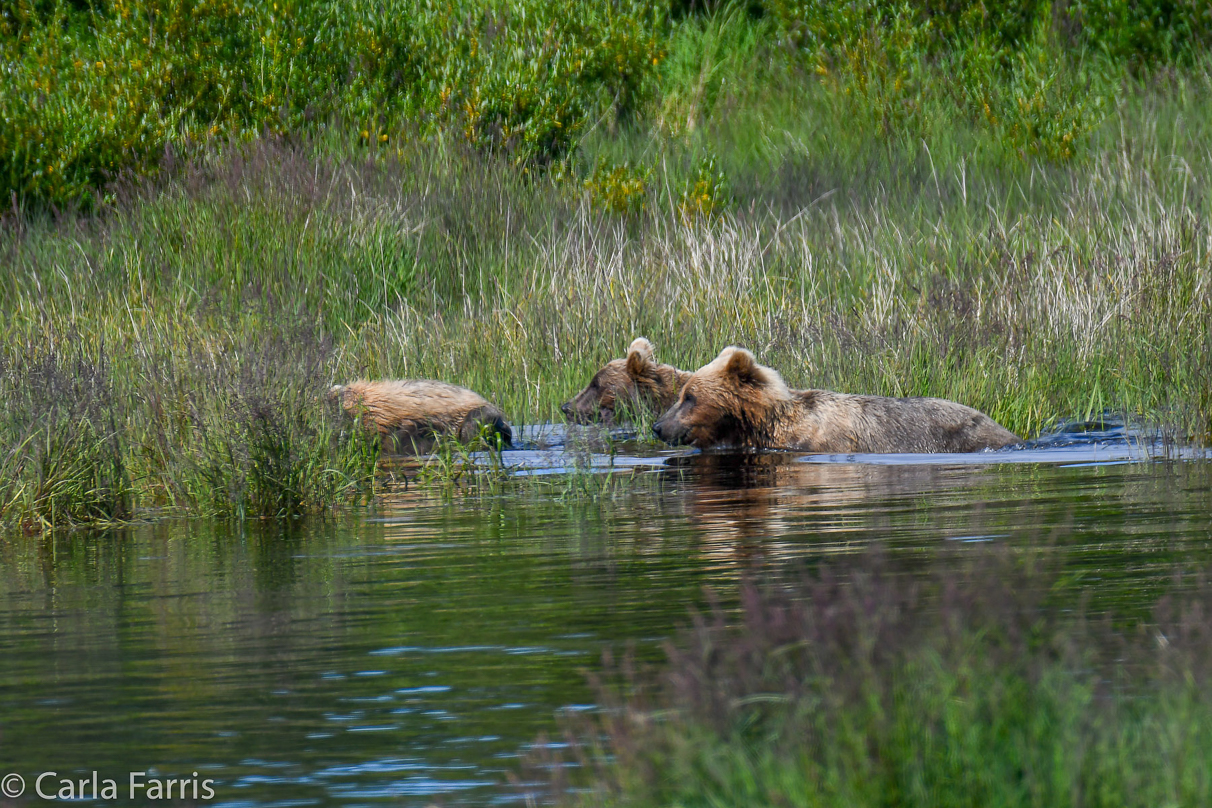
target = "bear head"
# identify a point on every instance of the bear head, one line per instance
(729, 401)
(634, 380)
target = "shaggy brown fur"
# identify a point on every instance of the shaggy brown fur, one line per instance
(636, 380)
(734, 401)
(409, 414)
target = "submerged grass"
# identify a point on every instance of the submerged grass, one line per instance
(863, 685)
(453, 466)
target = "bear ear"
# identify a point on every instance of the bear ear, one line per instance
(740, 364)
(639, 357)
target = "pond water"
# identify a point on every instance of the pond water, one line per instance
(410, 653)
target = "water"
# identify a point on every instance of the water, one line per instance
(410, 653)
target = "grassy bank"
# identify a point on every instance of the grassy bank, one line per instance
(168, 346)
(861, 685)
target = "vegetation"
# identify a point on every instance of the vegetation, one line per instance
(218, 209)
(217, 423)
(98, 88)
(863, 685)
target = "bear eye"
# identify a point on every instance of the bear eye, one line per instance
(593, 385)
(688, 400)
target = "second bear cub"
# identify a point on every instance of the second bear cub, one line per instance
(637, 380)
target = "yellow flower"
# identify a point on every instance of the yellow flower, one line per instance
(365, 134)
(383, 138)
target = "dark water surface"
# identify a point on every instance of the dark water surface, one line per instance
(410, 653)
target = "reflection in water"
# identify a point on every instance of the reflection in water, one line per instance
(408, 655)
(751, 502)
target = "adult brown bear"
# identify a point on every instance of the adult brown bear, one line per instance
(734, 401)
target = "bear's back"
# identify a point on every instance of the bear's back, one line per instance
(413, 411)
(879, 424)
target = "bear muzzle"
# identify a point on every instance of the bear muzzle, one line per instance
(574, 415)
(578, 415)
(669, 433)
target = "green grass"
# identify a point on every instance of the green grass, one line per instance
(865, 686)
(872, 232)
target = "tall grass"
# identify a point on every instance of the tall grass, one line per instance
(210, 422)
(862, 685)
(63, 461)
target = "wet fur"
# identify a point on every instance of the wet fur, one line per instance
(636, 379)
(409, 414)
(733, 401)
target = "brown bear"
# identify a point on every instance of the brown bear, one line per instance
(734, 401)
(635, 381)
(409, 414)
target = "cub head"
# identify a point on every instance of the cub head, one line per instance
(726, 402)
(348, 396)
(634, 380)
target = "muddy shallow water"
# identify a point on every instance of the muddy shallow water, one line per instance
(408, 653)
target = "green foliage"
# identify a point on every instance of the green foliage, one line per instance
(839, 692)
(96, 91)
(1141, 32)
(253, 436)
(945, 738)
(1127, 31)
(916, 70)
(1039, 99)
(706, 192)
(707, 60)
(618, 188)
(230, 426)
(92, 93)
(472, 468)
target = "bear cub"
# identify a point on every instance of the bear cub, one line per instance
(409, 414)
(634, 381)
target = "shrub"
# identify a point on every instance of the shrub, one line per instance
(91, 93)
(618, 188)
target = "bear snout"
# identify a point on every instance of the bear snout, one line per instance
(580, 415)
